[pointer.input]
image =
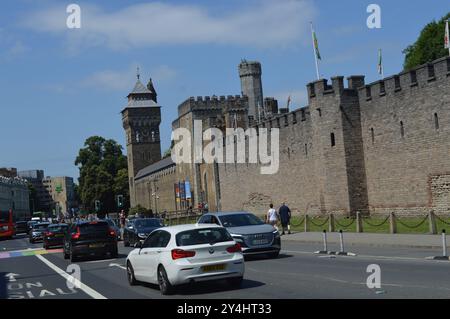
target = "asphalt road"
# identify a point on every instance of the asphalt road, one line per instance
(27, 272)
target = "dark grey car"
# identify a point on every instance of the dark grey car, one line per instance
(254, 236)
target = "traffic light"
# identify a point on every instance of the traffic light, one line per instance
(120, 201)
(97, 205)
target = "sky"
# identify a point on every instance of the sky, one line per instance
(59, 86)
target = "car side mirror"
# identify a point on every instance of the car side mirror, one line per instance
(138, 245)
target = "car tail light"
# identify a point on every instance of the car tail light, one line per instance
(112, 232)
(180, 253)
(236, 248)
(77, 234)
(49, 234)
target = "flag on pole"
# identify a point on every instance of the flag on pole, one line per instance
(316, 46)
(380, 63)
(446, 37)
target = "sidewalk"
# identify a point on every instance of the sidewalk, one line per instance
(370, 239)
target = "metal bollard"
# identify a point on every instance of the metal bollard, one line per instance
(341, 239)
(325, 247)
(444, 244)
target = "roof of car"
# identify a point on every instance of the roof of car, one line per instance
(83, 222)
(228, 213)
(180, 228)
(61, 224)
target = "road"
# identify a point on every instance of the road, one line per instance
(28, 272)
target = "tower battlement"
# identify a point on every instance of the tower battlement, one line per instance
(213, 103)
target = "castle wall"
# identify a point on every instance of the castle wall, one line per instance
(408, 174)
(243, 187)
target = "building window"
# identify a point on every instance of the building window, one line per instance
(402, 129)
(306, 149)
(436, 121)
(397, 82)
(320, 111)
(372, 134)
(333, 140)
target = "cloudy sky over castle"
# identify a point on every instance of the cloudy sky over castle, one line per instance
(60, 86)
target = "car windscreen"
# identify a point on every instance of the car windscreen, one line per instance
(239, 220)
(94, 227)
(147, 223)
(202, 236)
(58, 228)
(40, 227)
(110, 223)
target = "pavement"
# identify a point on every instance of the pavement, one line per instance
(370, 239)
(297, 273)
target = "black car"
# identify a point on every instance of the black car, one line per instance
(37, 232)
(54, 236)
(137, 229)
(89, 238)
(21, 227)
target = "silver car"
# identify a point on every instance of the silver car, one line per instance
(254, 236)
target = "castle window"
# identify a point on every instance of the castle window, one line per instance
(430, 71)
(294, 118)
(333, 140)
(402, 129)
(436, 121)
(286, 123)
(306, 149)
(413, 75)
(320, 111)
(397, 82)
(382, 88)
(372, 134)
(368, 92)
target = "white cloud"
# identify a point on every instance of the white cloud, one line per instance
(262, 24)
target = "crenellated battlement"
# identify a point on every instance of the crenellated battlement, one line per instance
(295, 117)
(421, 76)
(213, 103)
(322, 87)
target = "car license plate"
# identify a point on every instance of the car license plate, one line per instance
(95, 245)
(213, 268)
(260, 242)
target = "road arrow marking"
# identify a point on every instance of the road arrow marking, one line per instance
(117, 265)
(11, 276)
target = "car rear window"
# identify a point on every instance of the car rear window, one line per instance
(94, 227)
(41, 227)
(58, 228)
(202, 236)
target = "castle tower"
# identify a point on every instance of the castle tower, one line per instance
(141, 119)
(251, 86)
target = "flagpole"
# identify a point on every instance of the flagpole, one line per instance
(315, 54)
(447, 35)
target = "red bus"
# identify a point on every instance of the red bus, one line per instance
(6, 224)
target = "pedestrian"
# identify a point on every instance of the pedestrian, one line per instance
(272, 217)
(151, 214)
(285, 218)
(205, 208)
(122, 218)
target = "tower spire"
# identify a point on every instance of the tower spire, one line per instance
(138, 74)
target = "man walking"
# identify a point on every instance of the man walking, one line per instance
(285, 216)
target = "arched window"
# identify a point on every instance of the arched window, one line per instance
(372, 134)
(436, 121)
(402, 129)
(333, 140)
(306, 149)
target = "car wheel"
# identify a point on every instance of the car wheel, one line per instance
(130, 275)
(164, 284)
(236, 282)
(274, 255)
(66, 255)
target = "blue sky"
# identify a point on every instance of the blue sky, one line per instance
(59, 86)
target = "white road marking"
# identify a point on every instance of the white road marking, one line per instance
(86, 289)
(99, 261)
(117, 265)
(11, 276)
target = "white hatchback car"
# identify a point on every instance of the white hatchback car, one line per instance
(183, 254)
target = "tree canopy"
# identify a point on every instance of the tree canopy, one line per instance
(429, 46)
(103, 174)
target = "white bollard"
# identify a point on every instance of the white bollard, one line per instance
(444, 244)
(325, 247)
(341, 239)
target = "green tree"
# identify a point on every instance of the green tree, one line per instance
(102, 170)
(429, 46)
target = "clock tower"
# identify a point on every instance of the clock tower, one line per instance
(141, 118)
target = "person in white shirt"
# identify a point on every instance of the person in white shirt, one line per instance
(272, 217)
